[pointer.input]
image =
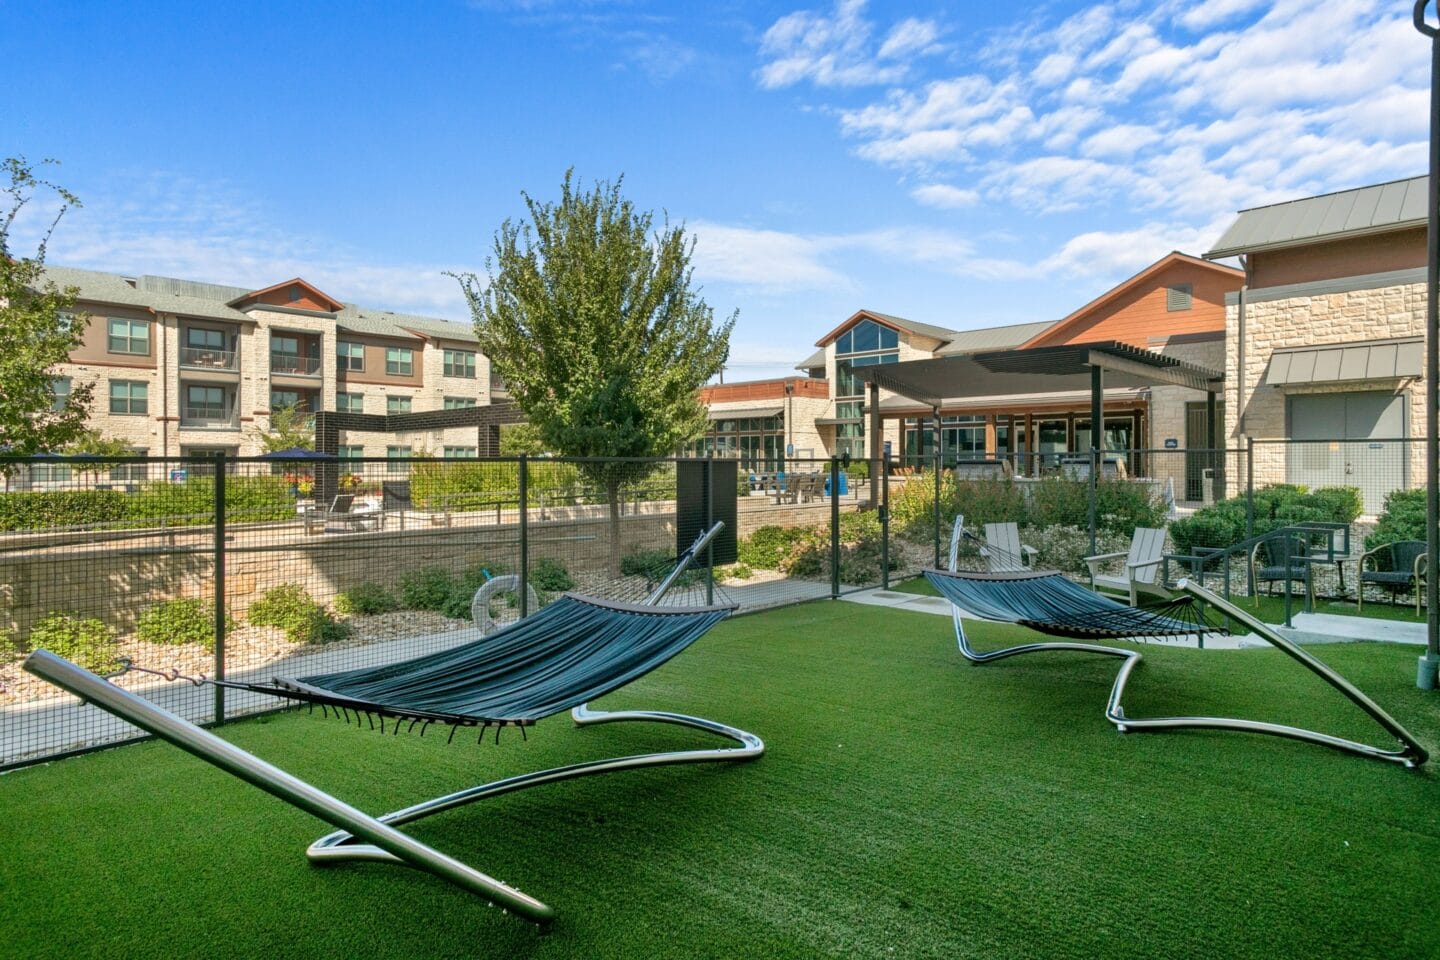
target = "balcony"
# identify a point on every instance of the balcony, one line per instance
(204, 358)
(207, 416)
(294, 365)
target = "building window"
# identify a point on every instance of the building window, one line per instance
(205, 405)
(397, 404)
(350, 355)
(129, 397)
(459, 403)
(867, 336)
(460, 363)
(131, 472)
(129, 336)
(350, 453)
(461, 453)
(399, 361)
(60, 388)
(49, 472)
(863, 345)
(294, 292)
(201, 338)
(397, 456)
(288, 398)
(350, 402)
(1179, 297)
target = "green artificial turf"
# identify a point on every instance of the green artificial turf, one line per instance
(908, 805)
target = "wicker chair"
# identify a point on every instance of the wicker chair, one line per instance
(1397, 566)
(1282, 559)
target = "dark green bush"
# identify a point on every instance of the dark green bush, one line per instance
(427, 588)
(190, 502)
(1402, 519)
(87, 642)
(298, 614)
(550, 576)
(1278, 505)
(365, 599)
(767, 547)
(180, 621)
(655, 565)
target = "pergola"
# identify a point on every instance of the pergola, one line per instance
(1039, 370)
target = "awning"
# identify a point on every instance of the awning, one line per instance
(1336, 363)
(1014, 402)
(740, 413)
(837, 421)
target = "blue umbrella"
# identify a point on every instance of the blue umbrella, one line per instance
(297, 453)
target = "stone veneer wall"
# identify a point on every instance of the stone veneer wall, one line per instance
(1372, 313)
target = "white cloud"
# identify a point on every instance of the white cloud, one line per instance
(1211, 12)
(763, 259)
(944, 196)
(910, 36)
(1121, 140)
(835, 50)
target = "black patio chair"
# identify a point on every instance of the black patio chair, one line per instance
(1282, 559)
(1397, 566)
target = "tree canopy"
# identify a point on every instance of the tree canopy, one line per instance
(37, 330)
(596, 327)
(291, 427)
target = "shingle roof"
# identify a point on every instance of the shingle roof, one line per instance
(1397, 205)
(816, 359)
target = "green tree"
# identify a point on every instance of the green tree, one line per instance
(100, 449)
(599, 332)
(37, 330)
(290, 426)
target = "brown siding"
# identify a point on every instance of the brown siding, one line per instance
(94, 348)
(764, 390)
(374, 371)
(281, 298)
(1342, 258)
(1139, 316)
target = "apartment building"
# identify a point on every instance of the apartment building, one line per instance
(183, 367)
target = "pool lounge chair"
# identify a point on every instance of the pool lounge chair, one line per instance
(1142, 566)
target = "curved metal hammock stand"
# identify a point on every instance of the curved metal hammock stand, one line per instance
(569, 653)
(1051, 604)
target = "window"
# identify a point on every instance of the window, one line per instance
(294, 292)
(129, 336)
(397, 404)
(459, 403)
(460, 363)
(60, 388)
(202, 339)
(205, 404)
(289, 398)
(49, 472)
(350, 402)
(1179, 297)
(350, 453)
(397, 455)
(399, 361)
(460, 453)
(349, 355)
(131, 472)
(129, 397)
(865, 336)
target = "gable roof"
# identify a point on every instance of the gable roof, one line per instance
(1381, 208)
(320, 295)
(888, 320)
(1077, 317)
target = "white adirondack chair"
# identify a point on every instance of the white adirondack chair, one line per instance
(1142, 566)
(1003, 551)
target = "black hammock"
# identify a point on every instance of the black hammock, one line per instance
(1049, 603)
(566, 654)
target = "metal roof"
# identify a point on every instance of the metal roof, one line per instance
(993, 338)
(1036, 370)
(816, 359)
(1368, 360)
(1397, 205)
(914, 326)
(735, 413)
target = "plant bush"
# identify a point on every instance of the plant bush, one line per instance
(861, 548)
(767, 547)
(1277, 505)
(87, 642)
(188, 503)
(427, 589)
(180, 621)
(365, 599)
(10, 647)
(1064, 547)
(653, 565)
(736, 571)
(299, 615)
(1403, 518)
(551, 576)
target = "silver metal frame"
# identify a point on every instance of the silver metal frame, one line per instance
(1412, 754)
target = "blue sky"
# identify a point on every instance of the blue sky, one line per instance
(964, 165)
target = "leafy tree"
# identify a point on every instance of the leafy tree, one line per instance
(290, 426)
(599, 333)
(37, 330)
(100, 450)
(518, 438)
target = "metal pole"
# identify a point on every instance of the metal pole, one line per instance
(834, 528)
(884, 479)
(219, 585)
(1429, 664)
(935, 459)
(709, 524)
(524, 533)
(1249, 487)
(1097, 428)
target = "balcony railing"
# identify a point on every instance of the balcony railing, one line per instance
(294, 364)
(207, 359)
(205, 416)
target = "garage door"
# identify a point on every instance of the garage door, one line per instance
(1356, 441)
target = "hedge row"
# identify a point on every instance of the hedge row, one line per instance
(1222, 524)
(190, 502)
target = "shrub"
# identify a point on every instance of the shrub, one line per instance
(365, 599)
(551, 576)
(89, 643)
(1402, 519)
(736, 571)
(1065, 547)
(427, 588)
(1222, 524)
(912, 506)
(767, 547)
(295, 612)
(180, 621)
(861, 549)
(10, 647)
(654, 565)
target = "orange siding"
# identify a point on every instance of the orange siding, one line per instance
(1139, 316)
(1343, 258)
(764, 390)
(281, 298)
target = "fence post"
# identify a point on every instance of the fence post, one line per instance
(709, 524)
(834, 528)
(884, 480)
(524, 493)
(937, 463)
(219, 585)
(1249, 487)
